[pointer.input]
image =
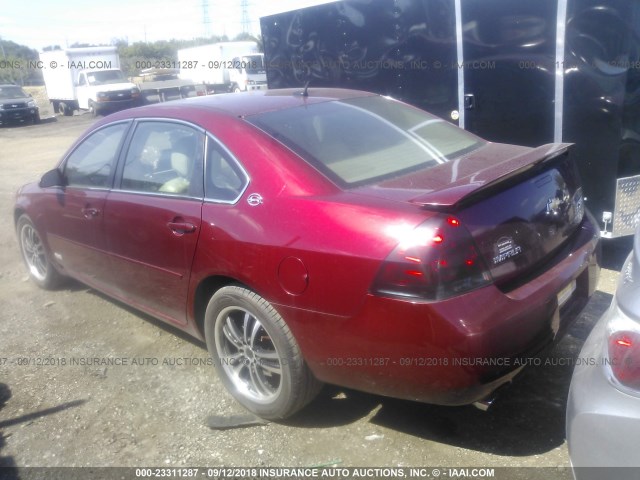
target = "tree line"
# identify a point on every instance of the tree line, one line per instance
(15, 58)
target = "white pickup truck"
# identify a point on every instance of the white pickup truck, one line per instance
(87, 79)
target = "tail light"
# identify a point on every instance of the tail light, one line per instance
(624, 358)
(434, 261)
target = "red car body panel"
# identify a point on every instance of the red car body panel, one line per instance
(313, 250)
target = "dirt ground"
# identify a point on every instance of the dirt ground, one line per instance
(59, 409)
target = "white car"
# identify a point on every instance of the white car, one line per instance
(603, 412)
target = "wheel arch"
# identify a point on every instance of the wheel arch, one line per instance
(205, 290)
(17, 213)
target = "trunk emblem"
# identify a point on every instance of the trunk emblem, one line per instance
(504, 249)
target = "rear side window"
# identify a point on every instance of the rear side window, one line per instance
(93, 161)
(361, 140)
(225, 179)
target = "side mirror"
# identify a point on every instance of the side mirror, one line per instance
(53, 178)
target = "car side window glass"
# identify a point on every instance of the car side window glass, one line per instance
(225, 179)
(165, 157)
(91, 163)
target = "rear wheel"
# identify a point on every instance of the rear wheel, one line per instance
(255, 354)
(64, 109)
(35, 255)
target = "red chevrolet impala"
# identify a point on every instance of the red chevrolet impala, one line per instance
(322, 236)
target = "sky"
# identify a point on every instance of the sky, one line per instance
(41, 23)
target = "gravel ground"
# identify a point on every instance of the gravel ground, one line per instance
(60, 409)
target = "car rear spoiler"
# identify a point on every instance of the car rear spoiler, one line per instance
(485, 182)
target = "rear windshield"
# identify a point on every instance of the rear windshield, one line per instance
(367, 139)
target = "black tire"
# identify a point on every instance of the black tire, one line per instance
(250, 343)
(92, 108)
(36, 118)
(35, 255)
(65, 109)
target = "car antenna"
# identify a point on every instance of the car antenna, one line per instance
(305, 93)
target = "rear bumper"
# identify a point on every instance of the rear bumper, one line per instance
(603, 423)
(452, 352)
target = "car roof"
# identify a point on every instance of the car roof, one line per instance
(247, 103)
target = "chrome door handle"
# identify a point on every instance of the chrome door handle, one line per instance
(90, 212)
(180, 228)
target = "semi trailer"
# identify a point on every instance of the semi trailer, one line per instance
(510, 71)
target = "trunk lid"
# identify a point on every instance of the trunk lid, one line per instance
(519, 204)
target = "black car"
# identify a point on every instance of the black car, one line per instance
(17, 106)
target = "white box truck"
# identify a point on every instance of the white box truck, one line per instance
(224, 67)
(87, 79)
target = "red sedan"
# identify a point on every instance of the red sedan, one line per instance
(322, 236)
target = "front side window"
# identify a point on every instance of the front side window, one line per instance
(165, 157)
(92, 162)
(362, 140)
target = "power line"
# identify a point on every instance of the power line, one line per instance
(246, 20)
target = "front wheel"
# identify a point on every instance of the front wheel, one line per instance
(35, 255)
(255, 354)
(92, 109)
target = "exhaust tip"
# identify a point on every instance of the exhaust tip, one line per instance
(485, 404)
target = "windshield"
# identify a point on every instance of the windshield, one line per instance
(367, 139)
(104, 77)
(12, 91)
(254, 63)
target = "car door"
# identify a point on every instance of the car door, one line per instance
(74, 219)
(152, 219)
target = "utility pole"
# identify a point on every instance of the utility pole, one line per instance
(246, 20)
(206, 21)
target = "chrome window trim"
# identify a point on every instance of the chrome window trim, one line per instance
(207, 199)
(156, 194)
(169, 120)
(63, 162)
(62, 165)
